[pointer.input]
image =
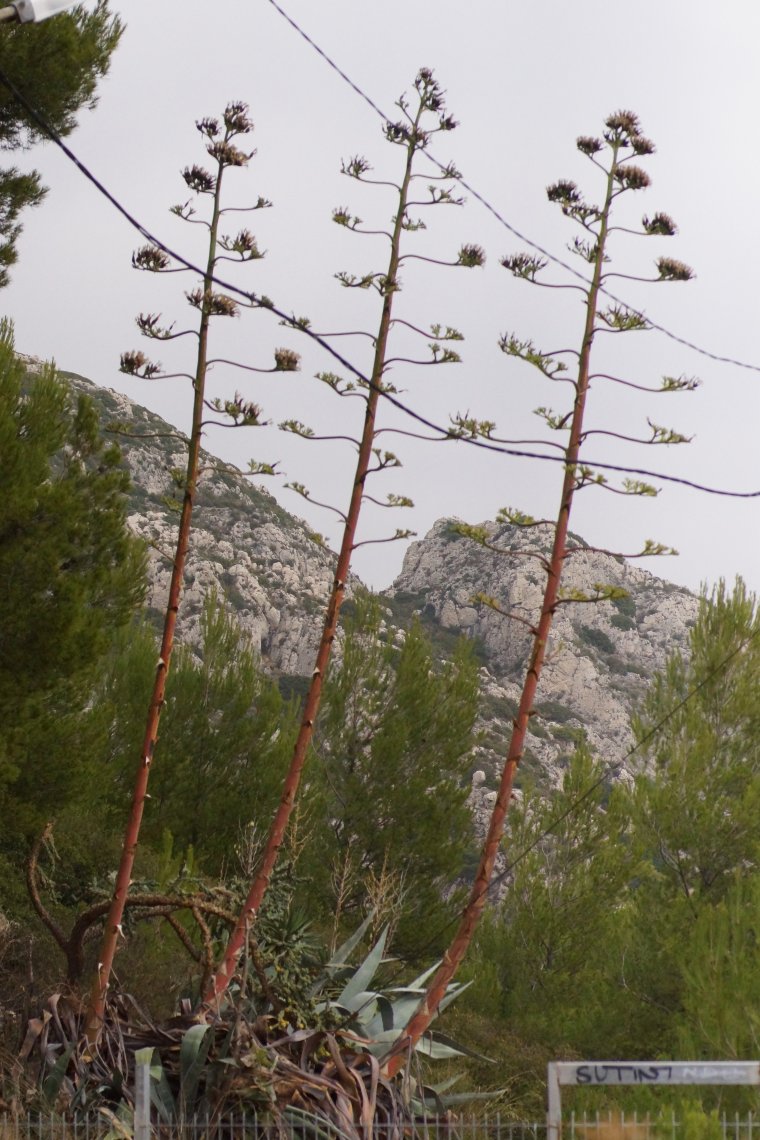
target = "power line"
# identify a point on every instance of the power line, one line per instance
(718, 358)
(143, 230)
(611, 767)
(445, 434)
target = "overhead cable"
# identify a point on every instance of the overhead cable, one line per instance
(446, 434)
(717, 357)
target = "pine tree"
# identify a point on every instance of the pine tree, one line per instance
(71, 575)
(630, 927)
(555, 940)
(56, 65)
(695, 809)
(720, 1008)
(226, 737)
(394, 740)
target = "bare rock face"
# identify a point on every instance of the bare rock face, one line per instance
(276, 577)
(266, 563)
(600, 655)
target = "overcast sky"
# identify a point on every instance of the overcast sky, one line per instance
(523, 80)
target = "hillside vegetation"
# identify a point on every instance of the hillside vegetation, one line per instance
(622, 919)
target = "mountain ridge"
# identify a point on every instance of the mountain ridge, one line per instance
(276, 575)
(599, 655)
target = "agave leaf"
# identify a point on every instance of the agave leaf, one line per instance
(395, 1019)
(215, 1073)
(374, 1069)
(192, 1057)
(452, 990)
(452, 993)
(323, 1006)
(160, 1093)
(303, 1123)
(439, 1045)
(344, 952)
(405, 1002)
(64, 1019)
(386, 1037)
(117, 1080)
(52, 1003)
(430, 1096)
(463, 1098)
(379, 1043)
(365, 972)
(294, 1037)
(436, 1050)
(420, 982)
(435, 1045)
(51, 1086)
(405, 991)
(338, 966)
(121, 1129)
(34, 1028)
(385, 1016)
(367, 1111)
(442, 1086)
(344, 1111)
(334, 975)
(424, 1098)
(362, 1006)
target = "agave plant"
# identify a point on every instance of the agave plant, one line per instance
(317, 1069)
(378, 1017)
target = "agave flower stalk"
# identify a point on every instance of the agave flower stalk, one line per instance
(219, 140)
(622, 137)
(410, 135)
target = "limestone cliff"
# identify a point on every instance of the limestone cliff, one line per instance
(600, 654)
(276, 576)
(273, 571)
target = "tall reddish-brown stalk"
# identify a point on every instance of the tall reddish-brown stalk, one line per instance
(412, 137)
(209, 304)
(622, 132)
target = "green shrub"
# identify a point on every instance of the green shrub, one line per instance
(565, 732)
(625, 606)
(292, 686)
(553, 710)
(621, 621)
(503, 708)
(597, 639)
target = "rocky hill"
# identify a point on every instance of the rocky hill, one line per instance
(275, 574)
(600, 655)
(273, 571)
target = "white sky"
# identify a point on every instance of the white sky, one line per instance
(524, 80)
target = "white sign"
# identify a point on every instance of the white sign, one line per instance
(658, 1073)
(585, 1073)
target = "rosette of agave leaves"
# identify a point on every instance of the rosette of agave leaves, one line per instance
(243, 1070)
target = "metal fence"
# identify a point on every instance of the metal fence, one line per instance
(107, 1125)
(245, 1126)
(663, 1126)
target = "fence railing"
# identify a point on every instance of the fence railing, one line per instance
(108, 1125)
(663, 1126)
